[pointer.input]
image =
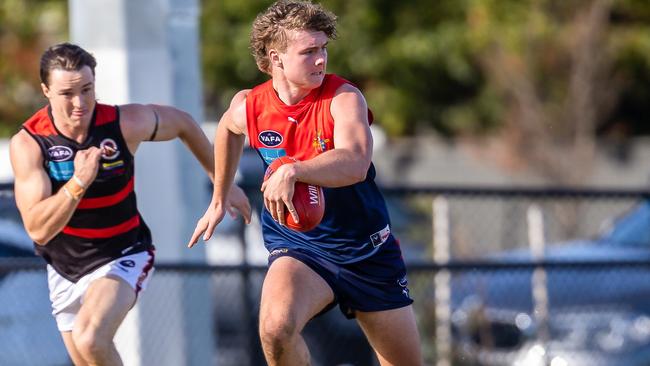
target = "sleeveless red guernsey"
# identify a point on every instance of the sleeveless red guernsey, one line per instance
(356, 221)
(106, 224)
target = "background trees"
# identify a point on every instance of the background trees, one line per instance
(435, 66)
(26, 28)
(536, 83)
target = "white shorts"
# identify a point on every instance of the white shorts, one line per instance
(67, 296)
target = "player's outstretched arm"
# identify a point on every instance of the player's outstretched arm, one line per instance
(45, 214)
(163, 123)
(228, 146)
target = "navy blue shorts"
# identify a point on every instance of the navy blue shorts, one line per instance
(373, 284)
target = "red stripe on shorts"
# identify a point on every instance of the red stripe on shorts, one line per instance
(145, 271)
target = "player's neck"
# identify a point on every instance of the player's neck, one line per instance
(73, 129)
(289, 93)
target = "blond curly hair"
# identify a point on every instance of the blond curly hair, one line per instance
(270, 27)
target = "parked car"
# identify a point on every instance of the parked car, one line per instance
(598, 304)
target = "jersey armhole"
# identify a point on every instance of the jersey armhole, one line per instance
(41, 146)
(119, 132)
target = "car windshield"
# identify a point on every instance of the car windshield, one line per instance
(632, 229)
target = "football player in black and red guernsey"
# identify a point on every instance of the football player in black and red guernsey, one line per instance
(74, 168)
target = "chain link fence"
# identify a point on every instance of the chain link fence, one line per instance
(597, 297)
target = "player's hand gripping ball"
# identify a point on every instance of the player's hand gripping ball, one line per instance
(308, 200)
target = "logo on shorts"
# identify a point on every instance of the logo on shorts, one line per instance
(380, 236)
(278, 252)
(403, 283)
(127, 263)
(59, 153)
(270, 138)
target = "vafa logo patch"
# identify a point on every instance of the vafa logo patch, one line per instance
(270, 138)
(59, 153)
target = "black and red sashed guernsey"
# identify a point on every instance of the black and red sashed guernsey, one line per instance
(106, 224)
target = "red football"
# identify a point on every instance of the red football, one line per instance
(308, 199)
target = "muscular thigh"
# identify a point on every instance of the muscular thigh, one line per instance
(105, 304)
(291, 287)
(393, 335)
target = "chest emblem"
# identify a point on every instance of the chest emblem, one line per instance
(270, 138)
(59, 153)
(320, 143)
(109, 149)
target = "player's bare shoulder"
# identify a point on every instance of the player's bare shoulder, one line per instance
(235, 116)
(349, 93)
(347, 88)
(349, 102)
(21, 138)
(22, 149)
(135, 120)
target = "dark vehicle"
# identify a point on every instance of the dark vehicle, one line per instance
(594, 307)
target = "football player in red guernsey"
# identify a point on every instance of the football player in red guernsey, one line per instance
(73, 165)
(351, 258)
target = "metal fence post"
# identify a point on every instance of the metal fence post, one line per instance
(539, 283)
(441, 280)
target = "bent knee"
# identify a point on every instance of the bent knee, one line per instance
(278, 329)
(90, 344)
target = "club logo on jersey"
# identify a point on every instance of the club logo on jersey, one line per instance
(59, 153)
(319, 143)
(270, 138)
(109, 149)
(380, 236)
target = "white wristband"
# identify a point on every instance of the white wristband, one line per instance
(79, 182)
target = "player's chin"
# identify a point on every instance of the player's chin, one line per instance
(316, 78)
(78, 119)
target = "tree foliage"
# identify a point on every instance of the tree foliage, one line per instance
(561, 71)
(27, 27)
(429, 66)
(453, 67)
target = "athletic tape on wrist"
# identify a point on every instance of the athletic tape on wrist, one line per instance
(67, 193)
(74, 188)
(79, 182)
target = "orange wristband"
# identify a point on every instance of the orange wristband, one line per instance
(79, 182)
(74, 188)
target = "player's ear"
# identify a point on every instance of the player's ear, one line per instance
(274, 56)
(46, 90)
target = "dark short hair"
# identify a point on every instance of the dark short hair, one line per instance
(65, 56)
